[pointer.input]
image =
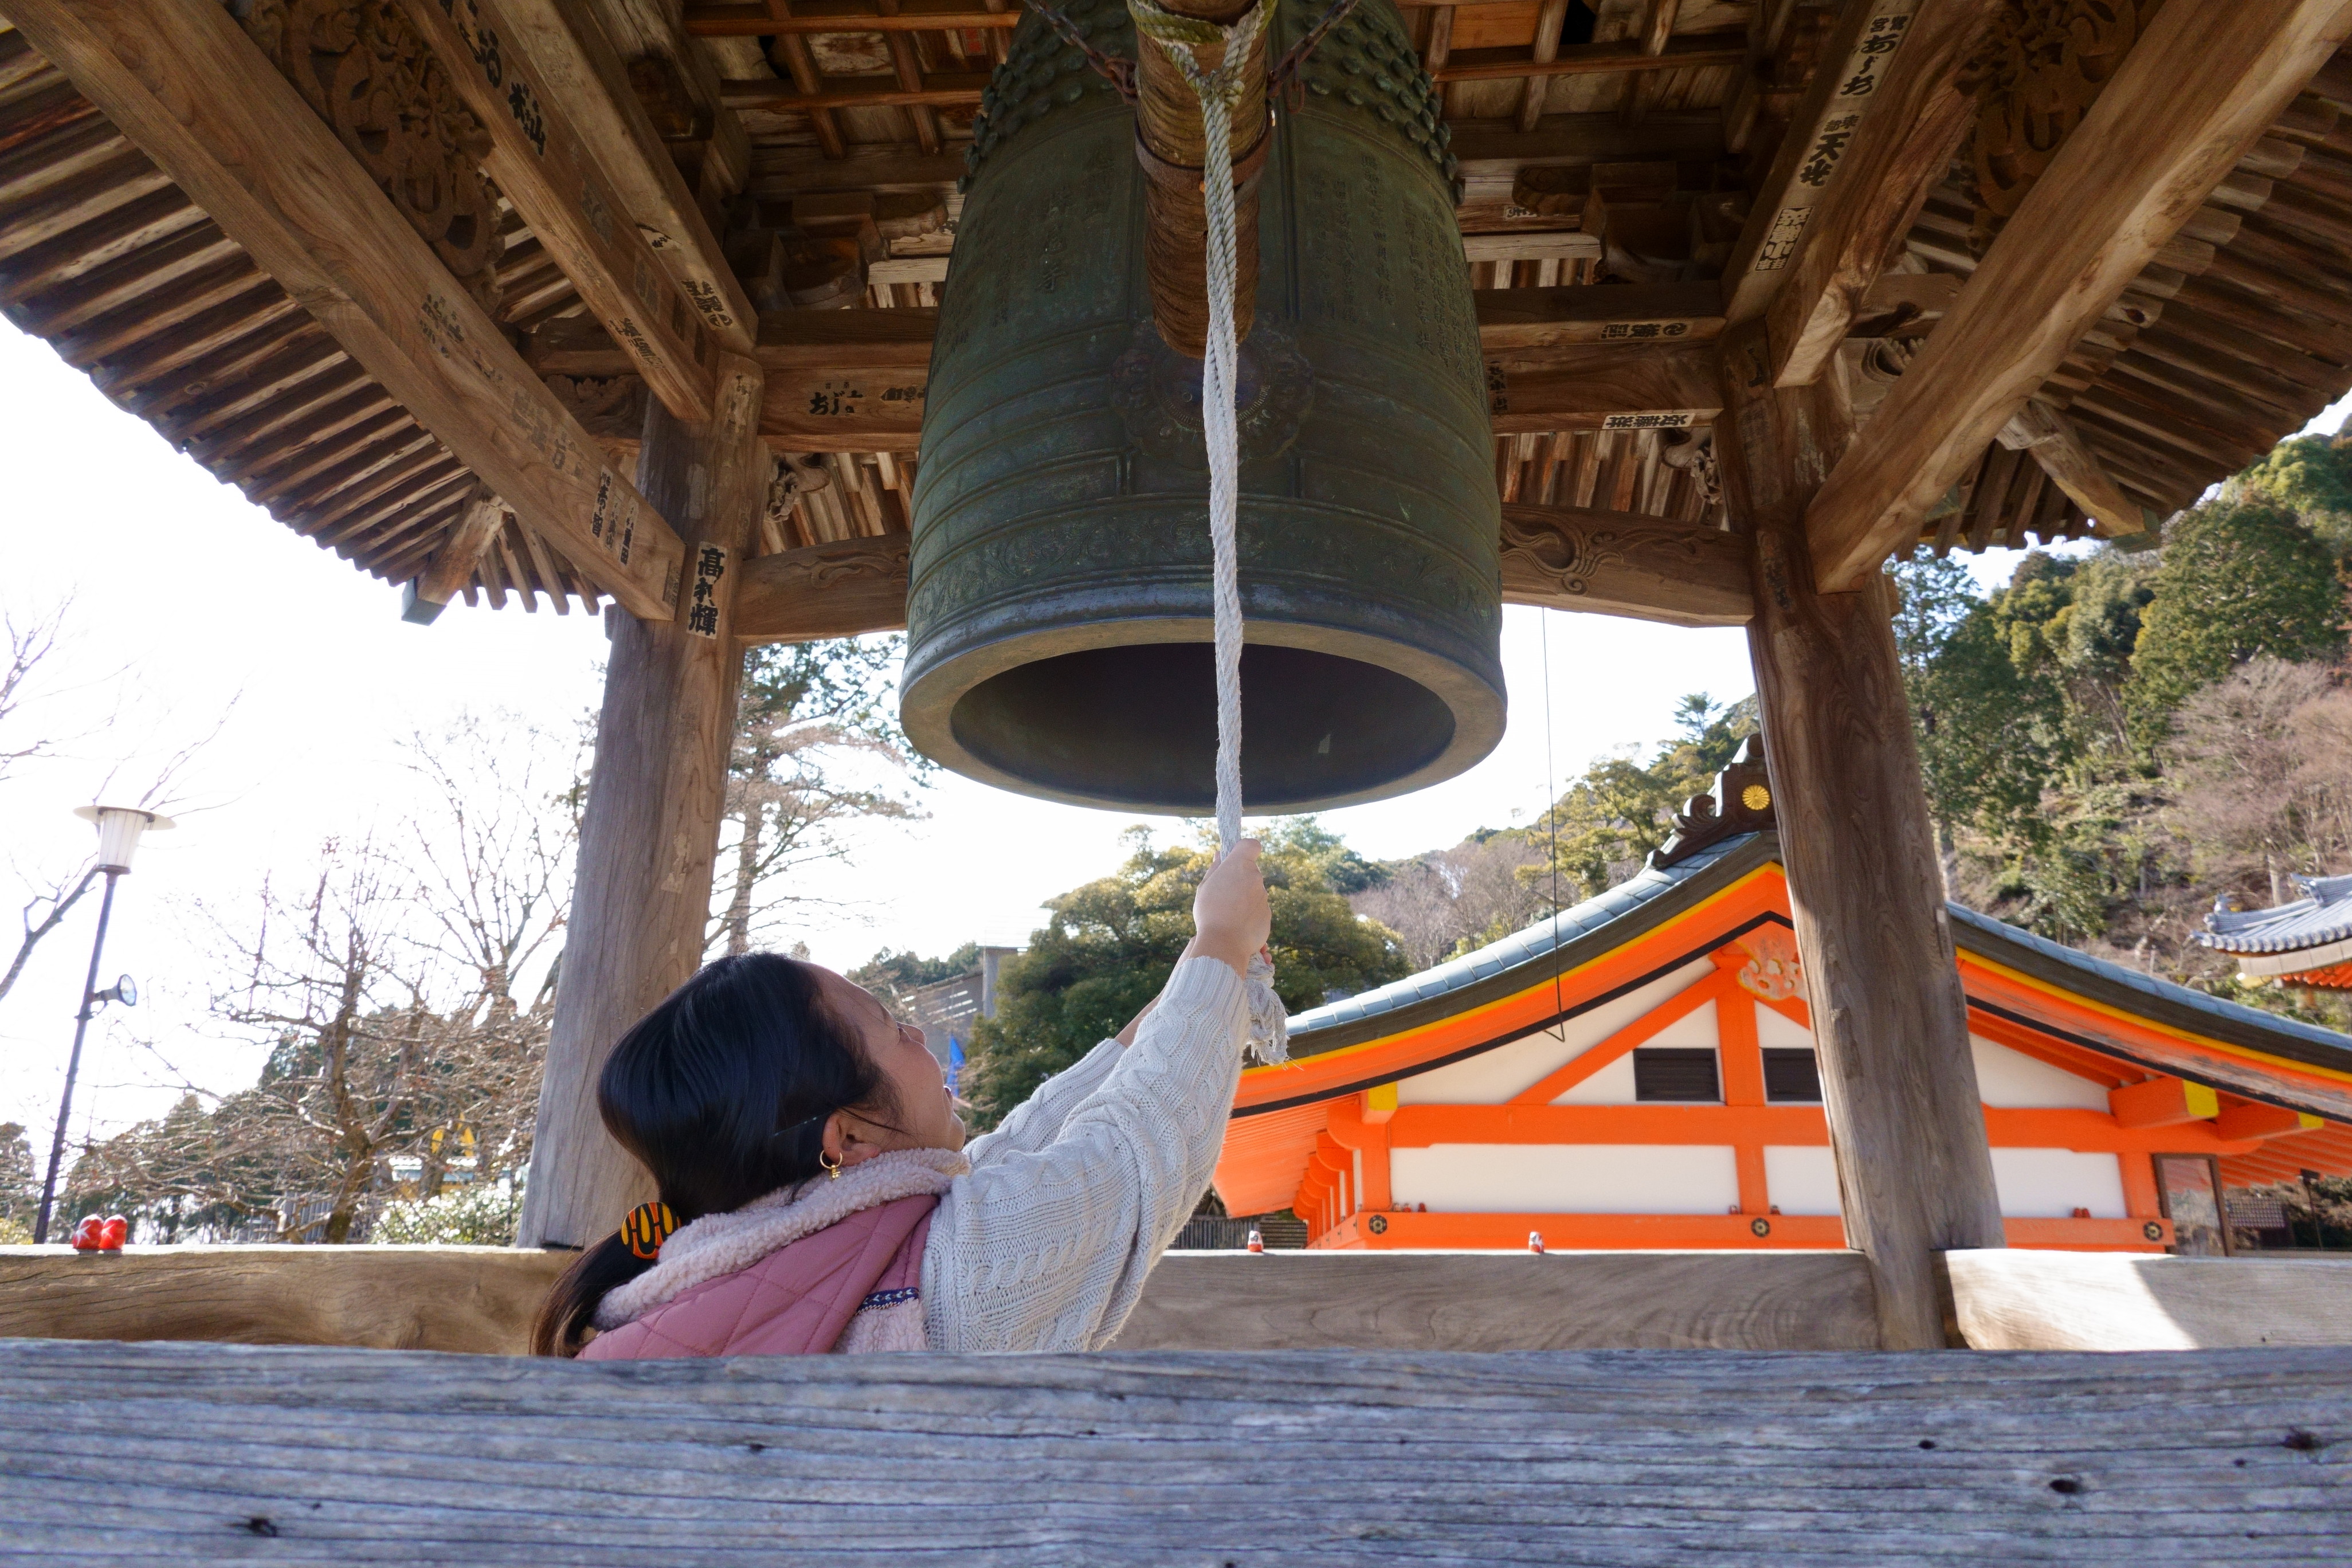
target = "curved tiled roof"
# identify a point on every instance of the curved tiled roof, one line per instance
(1538, 942)
(2323, 915)
(1623, 912)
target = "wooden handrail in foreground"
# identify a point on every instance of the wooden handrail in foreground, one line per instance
(198, 1454)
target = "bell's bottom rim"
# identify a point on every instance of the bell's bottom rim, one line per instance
(928, 701)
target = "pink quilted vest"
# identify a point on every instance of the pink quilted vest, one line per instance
(798, 1299)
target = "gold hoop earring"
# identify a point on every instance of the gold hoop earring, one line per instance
(832, 1167)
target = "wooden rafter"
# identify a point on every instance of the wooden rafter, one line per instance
(1910, 126)
(2200, 86)
(543, 163)
(1854, 61)
(201, 99)
(586, 75)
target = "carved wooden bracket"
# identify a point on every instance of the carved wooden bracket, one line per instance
(2042, 66)
(835, 590)
(1625, 564)
(1742, 803)
(362, 66)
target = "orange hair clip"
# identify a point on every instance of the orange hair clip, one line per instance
(647, 1227)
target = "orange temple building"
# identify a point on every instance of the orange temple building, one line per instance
(1639, 1072)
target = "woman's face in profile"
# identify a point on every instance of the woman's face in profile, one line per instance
(925, 1112)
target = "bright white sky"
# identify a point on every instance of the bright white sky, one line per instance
(205, 602)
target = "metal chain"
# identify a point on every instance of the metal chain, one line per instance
(1283, 75)
(1117, 69)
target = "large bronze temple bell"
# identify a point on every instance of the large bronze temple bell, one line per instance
(1058, 613)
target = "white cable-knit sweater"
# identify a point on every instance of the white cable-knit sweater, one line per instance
(1045, 1244)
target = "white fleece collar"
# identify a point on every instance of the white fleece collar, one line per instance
(718, 1244)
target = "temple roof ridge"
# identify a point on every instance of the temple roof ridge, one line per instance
(2323, 915)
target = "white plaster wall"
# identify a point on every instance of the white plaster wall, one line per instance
(1615, 1178)
(1774, 1030)
(1609, 1085)
(2052, 1183)
(2011, 1078)
(1492, 1078)
(1800, 1179)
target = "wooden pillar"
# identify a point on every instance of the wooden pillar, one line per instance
(650, 832)
(1890, 1021)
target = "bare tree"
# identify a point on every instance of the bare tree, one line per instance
(394, 994)
(1480, 891)
(2262, 767)
(815, 748)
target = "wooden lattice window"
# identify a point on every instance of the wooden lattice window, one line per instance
(1791, 1076)
(1675, 1073)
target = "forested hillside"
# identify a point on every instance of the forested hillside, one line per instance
(2116, 739)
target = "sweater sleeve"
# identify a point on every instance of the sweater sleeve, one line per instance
(1045, 1246)
(1037, 1120)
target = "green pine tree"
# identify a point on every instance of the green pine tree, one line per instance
(1111, 945)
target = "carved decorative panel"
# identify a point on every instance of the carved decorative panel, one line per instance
(365, 71)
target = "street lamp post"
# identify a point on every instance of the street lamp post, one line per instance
(119, 827)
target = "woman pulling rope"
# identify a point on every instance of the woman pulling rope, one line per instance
(815, 1194)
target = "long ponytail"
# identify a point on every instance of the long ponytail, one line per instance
(722, 1092)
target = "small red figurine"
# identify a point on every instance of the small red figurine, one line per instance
(96, 1234)
(1535, 1242)
(1257, 1242)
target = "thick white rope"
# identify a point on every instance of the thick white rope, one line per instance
(1218, 90)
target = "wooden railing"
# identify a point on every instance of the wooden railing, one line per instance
(186, 1454)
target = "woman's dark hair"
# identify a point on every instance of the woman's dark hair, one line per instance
(722, 1092)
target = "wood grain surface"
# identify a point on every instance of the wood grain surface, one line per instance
(2010, 1300)
(2200, 85)
(480, 1298)
(201, 100)
(1505, 1301)
(1624, 563)
(649, 835)
(1890, 1020)
(1910, 126)
(207, 1454)
(477, 1299)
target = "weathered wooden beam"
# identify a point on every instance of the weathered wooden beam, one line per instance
(1509, 320)
(1646, 385)
(853, 381)
(1902, 149)
(1568, 558)
(190, 1454)
(454, 559)
(543, 164)
(2195, 92)
(582, 68)
(2016, 1299)
(843, 589)
(480, 1299)
(649, 835)
(1890, 1019)
(740, 21)
(198, 97)
(940, 89)
(1516, 319)
(1590, 60)
(2047, 433)
(1621, 564)
(1852, 63)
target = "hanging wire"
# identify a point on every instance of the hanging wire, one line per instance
(1551, 813)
